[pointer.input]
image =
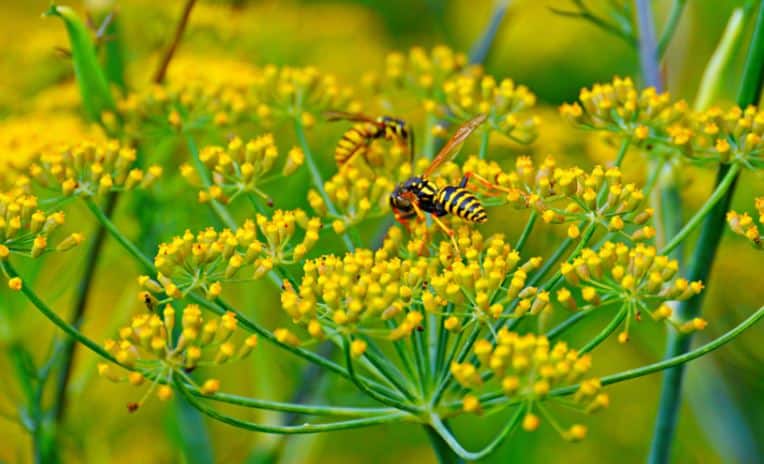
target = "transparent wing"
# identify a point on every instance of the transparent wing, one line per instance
(451, 148)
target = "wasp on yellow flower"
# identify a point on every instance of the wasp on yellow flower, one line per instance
(419, 194)
(356, 140)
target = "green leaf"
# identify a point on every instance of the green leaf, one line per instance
(94, 88)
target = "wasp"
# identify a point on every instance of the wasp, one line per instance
(419, 195)
(356, 140)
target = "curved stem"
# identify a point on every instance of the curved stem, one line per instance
(369, 391)
(668, 30)
(117, 235)
(673, 361)
(286, 429)
(448, 437)
(312, 410)
(730, 175)
(161, 71)
(606, 332)
(81, 303)
(556, 331)
(53, 317)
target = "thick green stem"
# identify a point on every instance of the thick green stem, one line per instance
(526, 231)
(443, 452)
(703, 258)
(712, 209)
(453, 443)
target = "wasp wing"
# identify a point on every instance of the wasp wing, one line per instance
(451, 148)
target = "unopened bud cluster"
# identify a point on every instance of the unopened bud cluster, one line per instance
(505, 103)
(91, 169)
(25, 229)
(241, 168)
(155, 346)
(202, 261)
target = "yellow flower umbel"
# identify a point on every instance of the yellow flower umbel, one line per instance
(618, 107)
(205, 260)
(743, 224)
(91, 169)
(356, 195)
(423, 72)
(196, 91)
(724, 136)
(241, 168)
(634, 280)
(526, 368)
(299, 93)
(25, 230)
(385, 294)
(505, 104)
(150, 349)
(572, 195)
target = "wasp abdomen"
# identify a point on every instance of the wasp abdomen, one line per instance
(462, 203)
(355, 141)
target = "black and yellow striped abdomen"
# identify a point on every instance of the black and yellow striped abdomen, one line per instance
(461, 202)
(355, 141)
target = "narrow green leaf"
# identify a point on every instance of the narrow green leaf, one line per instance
(94, 88)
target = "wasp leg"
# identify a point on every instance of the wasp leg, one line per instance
(448, 232)
(494, 190)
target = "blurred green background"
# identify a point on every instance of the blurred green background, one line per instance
(552, 55)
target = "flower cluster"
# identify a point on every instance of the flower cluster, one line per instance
(723, 136)
(618, 107)
(571, 195)
(526, 368)
(91, 169)
(240, 168)
(148, 349)
(634, 279)
(382, 294)
(356, 196)
(299, 93)
(743, 224)
(196, 92)
(422, 72)
(202, 261)
(505, 104)
(25, 229)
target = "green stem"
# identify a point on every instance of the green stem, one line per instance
(556, 331)
(526, 231)
(311, 410)
(668, 30)
(117, 235)
(286, 429)
(443, 452)
(368, 391)
(726, 181)
(453, 443)
(484, 139)
(53, 317)
(606, 332)
(494, 399)
(81, 303)
(220, 210)
(315, 174)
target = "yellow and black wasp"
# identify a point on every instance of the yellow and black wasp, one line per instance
(356, 140)
(419, 195)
